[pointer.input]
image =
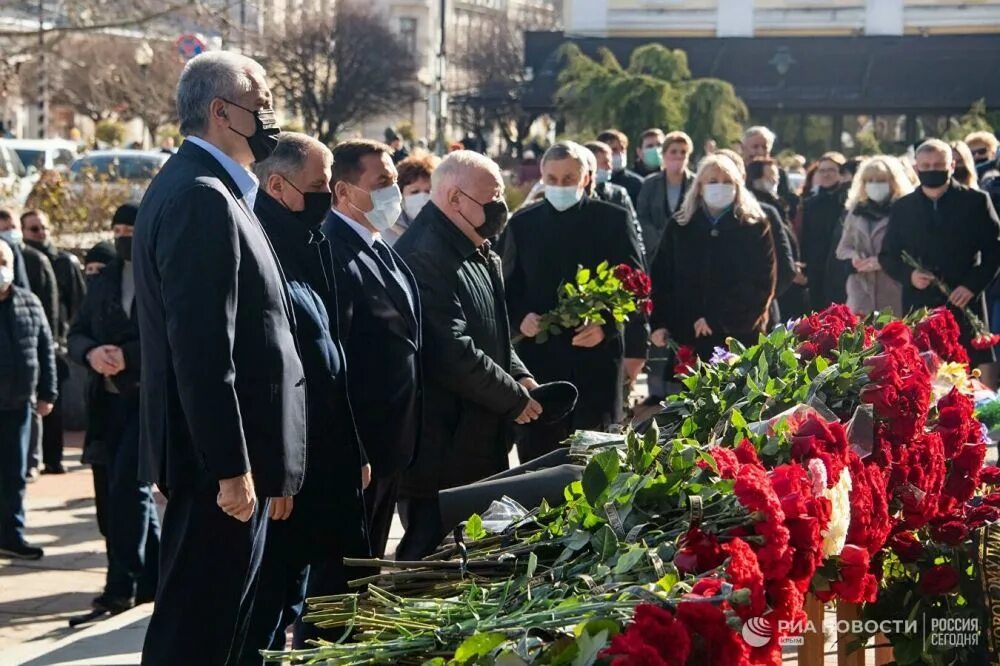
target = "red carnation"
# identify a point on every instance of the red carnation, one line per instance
(754, 491)
(950, 533)
(906, 546)
(856, 584)
(982, 514)
(744, 573)
(939, 579)
(939, 333)
(725, 461)
(990, 475)
(655, 638)
(699, 552)
(685, 360)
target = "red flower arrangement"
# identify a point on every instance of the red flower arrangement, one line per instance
(821, 331)
(938, 332)
(655, 638)
(939, 579)
(754, 491)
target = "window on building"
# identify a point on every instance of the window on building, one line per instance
(408, 32)
(817, 134)
(890, 131)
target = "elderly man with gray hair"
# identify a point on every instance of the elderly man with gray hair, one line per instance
(304, 553)
(953, 233)
(544, 246)
(476, 387)
(222, 399)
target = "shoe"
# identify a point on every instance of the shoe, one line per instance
(32, 475)
(21, 551)
(112, 605)
(54, 470)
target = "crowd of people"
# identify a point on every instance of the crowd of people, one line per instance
(294, 343)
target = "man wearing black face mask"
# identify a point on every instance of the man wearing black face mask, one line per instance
(953, 232)
(476, 387)
(104, 337)
(222, 398)
(304, 551)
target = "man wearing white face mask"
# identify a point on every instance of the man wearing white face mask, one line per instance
(544, 245)
(378, 305)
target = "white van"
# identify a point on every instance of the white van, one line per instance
(40, 154)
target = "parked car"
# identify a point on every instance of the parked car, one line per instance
(14, 181)
(41, 154)
(132, 169)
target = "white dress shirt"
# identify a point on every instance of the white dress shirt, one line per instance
(370, 238)
(246, 182)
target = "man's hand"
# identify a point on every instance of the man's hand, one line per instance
(528, 383)
(701, 329)
(529, 325)
(633, 366)
(921, 280)
(366, 476)
(530, 412)
(43, 408)
(659, 337)
(281, 508)
(859, 264)
(961, 297)
(800, 274)
(106, 360)
(588, 335)
(237, 497)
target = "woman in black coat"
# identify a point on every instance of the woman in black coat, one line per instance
(104, 337)
(715, 270)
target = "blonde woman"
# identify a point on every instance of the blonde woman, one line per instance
(714, 272)
(963, 165)
(880, 180)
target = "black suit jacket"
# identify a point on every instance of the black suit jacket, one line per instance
(381, 335)
(223, 389)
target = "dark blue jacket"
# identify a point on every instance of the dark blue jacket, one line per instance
(223, 390)
(335, 455)
(27, 357)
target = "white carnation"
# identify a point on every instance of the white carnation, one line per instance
(835, 534)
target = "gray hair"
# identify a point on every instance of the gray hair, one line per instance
(458, 163)
(591, 158)
(207, 76)
(566, 150)
(290, 155)
(935, 146)
(760, 130)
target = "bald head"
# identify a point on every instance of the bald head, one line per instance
(462, 184)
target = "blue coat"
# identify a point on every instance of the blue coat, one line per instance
(27, 357)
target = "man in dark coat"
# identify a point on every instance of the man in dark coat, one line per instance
(305, 550)
(104, 337)
(821, 226)
(379, 322)
(621, 175)
(758, 141)
(953, 233)
(544, 246)
(27, 372)
(222, 400)
(72, 288)
(476, 386)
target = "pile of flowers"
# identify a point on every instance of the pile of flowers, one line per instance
(597, 296)
(825, 459)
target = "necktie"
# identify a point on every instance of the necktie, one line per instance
(382, 250)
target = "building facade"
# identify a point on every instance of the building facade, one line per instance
(778, 18)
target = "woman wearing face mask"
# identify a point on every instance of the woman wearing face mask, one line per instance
(963, 165)
(663, 191)
(715, 271)
(415, 184)
(878, 183)
(820, 233)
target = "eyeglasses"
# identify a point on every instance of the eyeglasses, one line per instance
(981, 152)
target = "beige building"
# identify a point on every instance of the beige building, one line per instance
(778, 18)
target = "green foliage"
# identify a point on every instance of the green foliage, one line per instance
(866, 143)
(111, 132)
(86, 206)
(655, 90)
(169, 130)
(989, 414)
(973, 120)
